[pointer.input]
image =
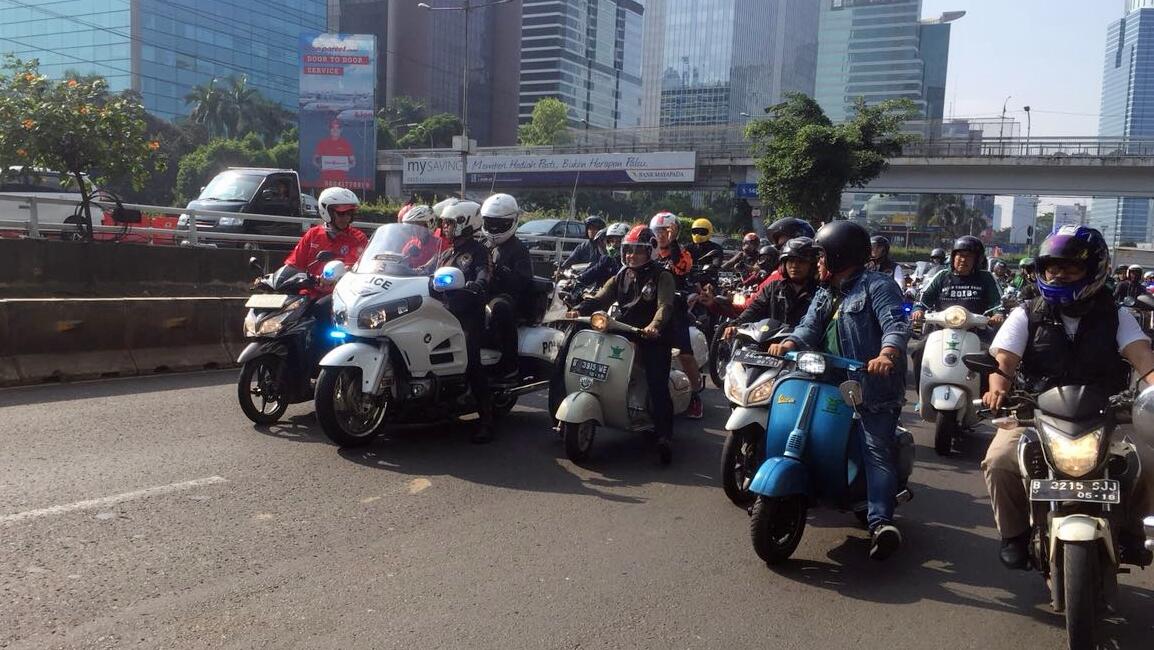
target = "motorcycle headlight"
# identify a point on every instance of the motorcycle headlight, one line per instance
(811, 362)
(375, 317)
(1076, 457)
(954, 317)
(760, 393)
(735, 383)
(265, 324)
(272, 325)
(250, 322)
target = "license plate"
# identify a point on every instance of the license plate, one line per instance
(267, 301)
(592, 369)
(1098, 491)
(751, 358)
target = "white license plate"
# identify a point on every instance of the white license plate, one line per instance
(1098, 491)
(267, 301)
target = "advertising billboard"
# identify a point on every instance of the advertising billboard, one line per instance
(615, 169)
(338, 135)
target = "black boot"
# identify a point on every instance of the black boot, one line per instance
(664, 451)
(1134, 550)
(1015, 553)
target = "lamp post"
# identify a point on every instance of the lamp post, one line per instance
(468, 8)
(1002, 125)
(585, 121)
(1027, 109)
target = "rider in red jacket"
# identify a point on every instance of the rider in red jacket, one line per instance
(338, 207)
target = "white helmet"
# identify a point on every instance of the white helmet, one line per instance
(499, 214)
(465, 217)
(334, 196)
(420, 215)
(664, 220)
(619, 229)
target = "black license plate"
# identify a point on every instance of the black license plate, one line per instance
(592, 369)
(1097, 491)
(751, 358)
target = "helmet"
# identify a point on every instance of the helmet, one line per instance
(1000, 265)
(618, 230)
(802, 247)
(421, 215)
(970, 244)
(1121, 268)
(750, 238)
(663, 220)
(1026, 264)
(465, 216)
(1134, 267)
(878, 240)
(846, 244)
(1147, 276)
(1074, 244)
(332, 197)
(789, 228)
(639, 236)
(767, 257)
(499, 214)
(938, 255)
(590, 221)
(701, 231)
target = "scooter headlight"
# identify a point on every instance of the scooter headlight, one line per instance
(954, 317)
(735, 383)
(760, 393)
(1074, 457)
(272, 325)
(811, 362)
(266, 324)
(599, 321)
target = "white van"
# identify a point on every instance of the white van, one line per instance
(42, 184)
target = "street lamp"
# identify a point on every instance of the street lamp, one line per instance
(1002, 124)
(1027, 109)
(468, 8)
(586, 123)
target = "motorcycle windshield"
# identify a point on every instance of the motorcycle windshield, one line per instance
(402, 249)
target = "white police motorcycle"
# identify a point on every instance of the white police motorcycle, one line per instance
(947, 388)
(402, 357)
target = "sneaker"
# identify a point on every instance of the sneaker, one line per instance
(695, 410)
(664, 451)
(885, 539)
(1015, 553)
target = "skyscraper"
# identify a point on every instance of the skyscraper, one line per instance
(709, 61)
(586, 54)
(1127, 111)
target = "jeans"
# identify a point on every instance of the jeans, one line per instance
(656, 359)
(879, 432)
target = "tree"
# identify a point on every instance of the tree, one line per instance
(206, 161)
(806, 161)
(401, 111)
(207, 102)
(549, 126)
(235, 109)
(1044, 226)
(74, 125)
(949, 212)
(435, 131)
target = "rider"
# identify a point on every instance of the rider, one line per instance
(702, 245)
(1001, 273)
(588, 251)
(644, 290)
(783, 230)
(937, 262)
(1132, 286)
(786, 300)
(858, 314)
(1026, 282)
(1073, 334)
(678, 262)
(422, 248)
(880, 260)
(745, 258)
(461, 221)
(600, 271)
(768, 259)
(512, 276)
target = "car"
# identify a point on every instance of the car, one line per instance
(542, 235)
(255, 190)
(41, 184)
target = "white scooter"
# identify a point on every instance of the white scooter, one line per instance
(403, 356)
(606, 387)
(947, 389)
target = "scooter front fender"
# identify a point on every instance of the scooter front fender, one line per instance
(781, 477)
(948, 397)
(581, 407)
(742, 417)
(257, 348)
(369, 358)
(1081, 528)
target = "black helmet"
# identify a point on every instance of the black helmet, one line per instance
(802, 247)
(767, 257)
(970, 244)
(938, 255)
(1074, 244)
(846, 244)
(878, 240)
(594, 222)
(789, 228)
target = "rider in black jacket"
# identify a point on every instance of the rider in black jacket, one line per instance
(786, 300)
(588, 251)
(512, 276)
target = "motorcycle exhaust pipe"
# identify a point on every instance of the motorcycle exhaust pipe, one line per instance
(1148, 524)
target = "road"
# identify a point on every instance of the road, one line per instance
(149, 513)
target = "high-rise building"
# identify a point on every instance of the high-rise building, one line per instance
(422, 56)
(1127, 110)
(586, 54)
(1068, 215)
(710, 61)
(1023, 218)
(163, 48)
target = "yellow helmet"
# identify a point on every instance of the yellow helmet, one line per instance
(701, 230)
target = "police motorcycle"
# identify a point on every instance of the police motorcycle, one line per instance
(748, 386)
(946, 388)
(605, 384)
(1079, 469)
(402, 356)
(814, 453)
(278, 366)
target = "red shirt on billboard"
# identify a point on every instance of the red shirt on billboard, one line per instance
(334, 155)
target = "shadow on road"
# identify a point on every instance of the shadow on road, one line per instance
(72, 391)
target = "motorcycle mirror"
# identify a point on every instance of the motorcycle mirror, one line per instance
(982, 362)
(448, 278)
(851, 393)
(254, 263)
(325, 256)
(333, 271)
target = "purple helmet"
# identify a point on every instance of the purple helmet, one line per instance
(1074, 244)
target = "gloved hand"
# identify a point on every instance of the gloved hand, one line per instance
(472, 286)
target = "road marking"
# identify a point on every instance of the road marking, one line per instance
(419, 485)
(111, 500)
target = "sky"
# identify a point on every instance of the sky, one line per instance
(1045, 54)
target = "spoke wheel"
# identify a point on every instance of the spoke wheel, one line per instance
(349, 417)
(261, 397)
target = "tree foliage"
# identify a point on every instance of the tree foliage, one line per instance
(232, 109)
(806, 161)
(434, 131)
(549, 126)
(206, 161)
(950, 213)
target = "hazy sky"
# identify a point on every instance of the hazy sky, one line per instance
(1046, 54)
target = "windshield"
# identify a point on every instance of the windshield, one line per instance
(231, 186)
(539, 227)
(401, 249)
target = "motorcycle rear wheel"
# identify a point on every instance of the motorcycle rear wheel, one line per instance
(776, 526)
(945, 430)
(740, 459)
(262, 370)
(1080, 572)
(348, 418)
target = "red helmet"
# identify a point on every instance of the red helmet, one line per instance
(639, 236)
(751, 237)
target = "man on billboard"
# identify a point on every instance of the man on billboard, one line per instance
(334, 156)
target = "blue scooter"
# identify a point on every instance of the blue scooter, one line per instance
(814, 452)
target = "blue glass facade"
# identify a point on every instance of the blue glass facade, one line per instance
(162, 48)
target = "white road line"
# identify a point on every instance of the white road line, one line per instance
(111, 500)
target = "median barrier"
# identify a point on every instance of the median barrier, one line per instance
(178, 333)
(8, 373)
(69, 339)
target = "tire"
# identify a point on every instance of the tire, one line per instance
(776, 526)
(502, 405)
(1081, 570)
(346, 425)
(262, 370)
(719, 353)
(945, 430)
(740, 460)
(578, 440)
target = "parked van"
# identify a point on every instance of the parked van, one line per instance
(256, 191)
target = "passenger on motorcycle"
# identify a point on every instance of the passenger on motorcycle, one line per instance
(1001, 272)
(858, 314)
(937, 262)
(1132, 286)
(746, 258)
(768, 259)
(678, 262)
(422, 249)
(702, 245)
(783, 230)
(600, 271)
(880, 260)
(644, 291)
(512, 276)
(1074, 334)
(786, 300)
(461, 221)
(588, 251)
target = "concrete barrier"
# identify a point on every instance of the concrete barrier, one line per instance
(179, 333)
(69, 339)
(8, 372)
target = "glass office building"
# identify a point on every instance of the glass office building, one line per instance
(162, 48)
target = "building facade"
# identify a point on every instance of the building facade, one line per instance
(162, 49)
(1023, 220)
(586, 53)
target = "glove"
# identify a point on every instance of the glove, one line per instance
(472, 286)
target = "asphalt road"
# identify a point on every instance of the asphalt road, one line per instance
(150, 513)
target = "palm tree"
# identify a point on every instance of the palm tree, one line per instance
(949, 212)
(207, 102)
(238, 105)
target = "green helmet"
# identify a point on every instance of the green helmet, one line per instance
(1027, 264)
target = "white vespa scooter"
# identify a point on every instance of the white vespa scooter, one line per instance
(403, 356)
(947, 389)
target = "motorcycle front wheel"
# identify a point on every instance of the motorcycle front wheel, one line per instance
(1080, 572)
(740, 459)
(261, 398)
(348, 417)
(578, 440)
(776, 526)
(945, 430)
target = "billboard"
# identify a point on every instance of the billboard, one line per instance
(556, 169)
(338, 135)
